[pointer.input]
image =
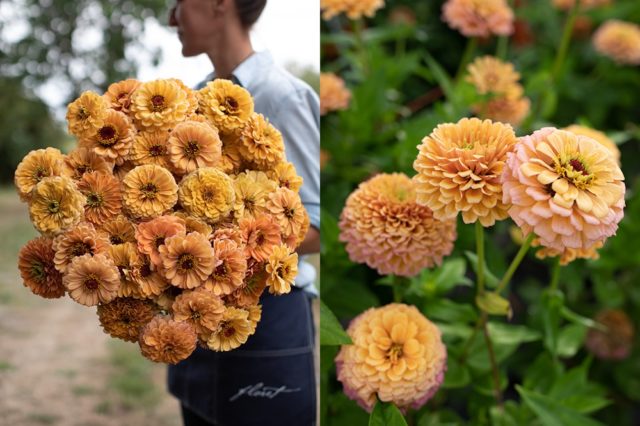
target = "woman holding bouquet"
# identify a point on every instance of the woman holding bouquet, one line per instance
(269, 380)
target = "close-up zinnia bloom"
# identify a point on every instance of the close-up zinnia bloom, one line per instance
(282, 268)
(85, 160)
(86, 114)
(149, 191)
(261, 143)
(81, 240)
(102, 191)
(354, 9)
(56, 205)
(151, 147)
(187, 261)
(113, 139)
(207, 193)
(385, 227)
(166, 340)
(397, 356)
(567, 189)
(459, 167)
(92, 279)
(285, 174)
(34, 167)
(255, 281)
(231, 266)
(234, 330)
(286, 208)
(200, 308)
(149, 281)
(227, 105)
(152, 234)
(124, 317)
(597, 136)
(252, 190)
(619, 41)
(491, 75)
(260, 235)
(126, 257)
(479, 18)
(118, 230)
(159, 104)
(333, 93)
(194, 145)
(506, 109)
(118, 95)
(37, 269)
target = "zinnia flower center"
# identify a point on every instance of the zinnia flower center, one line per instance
(80, 248)
(107, 135)
(578, 166)
(157, 103)
(39, 173)
(149, 191)
(83, 114)
(230, 104)
(576, 172)
(191, 149)
(145, 270)
(289, 212)
(83, 168)
(37, 271)
(221, 270)
(186, 262)
(227, 330)
(157, 150)
(249, 204)
(53, 206)
(208, 194)
(94, 199)
(116, 239)
(260, 238)
(395, 352)
(159, 240)
(91, 282)
(195, 315)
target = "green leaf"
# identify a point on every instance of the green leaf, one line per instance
(449, 311)
(507, 334)
(331, 332)
(551, 412)
(570, 339)
(454, 330)
(329, 231)
(552, 302)
(494, 304)
(491, 280)
(386, 414)
(540, 375)
(576, 318)
(440, 75)
(440, 280)
(457, 375)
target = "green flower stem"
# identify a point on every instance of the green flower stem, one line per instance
(466, 57)
(360, 48)
(467, 345)
(565, 41)
(515, 263)
(502, 46)
(555, 274)
(492, 359)
(480, 250)
(399, 287)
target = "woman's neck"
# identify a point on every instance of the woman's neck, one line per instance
(229, 53)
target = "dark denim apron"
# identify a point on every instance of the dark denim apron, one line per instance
(269, 381)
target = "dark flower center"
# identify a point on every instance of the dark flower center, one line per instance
(186, 262)
(145, 270)
(395, 352)
(289, 212)
(149, 191)
(91, 283)
(83, 114)
(38, 271)
(191, 149)
(231, 104)
(208, 194)
(228, 330)
(94, 200)
(159, 240)
(157, 103)
(116, 239)
(221, 270)
(40, 173)
(107, 135)
(260, 238)
(80, 248)
(53, 206)
(578, 166)
(157, 150)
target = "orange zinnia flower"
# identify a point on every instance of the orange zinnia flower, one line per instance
(84, 160)
(619, 40)
(227, 105)
(124, 317)
(81, 240)
(194, 145)
(252, 189)
(479, 18)
(92, 280)
(102, 191)
(34, 167)
(260, 235)
(333, 93)
(286, 207)
(37, 269)
(166, 340)
(234, 330)
(261, 144)
(230, 269)
(126, 257)
(354, 9)
(187, 261)
(119, 230)
(151, 147)
(159, 104)
(282, 268)
(285, 174)
(200, 308)
(152, 234)
(86, 114)
(207, 194)
(56, 205)
(118, 95)
(149, 191)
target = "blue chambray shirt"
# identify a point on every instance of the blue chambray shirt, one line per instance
(293, 108)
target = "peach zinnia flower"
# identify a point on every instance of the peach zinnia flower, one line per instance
(255, 281)
(286, 207)
(187, 261)
(282, 268)
(491, 75)
(159, 104)
(92, 279)
(38, 270)
(149, 191)
(119, 230)
(459, 167)
(147, 277)
(227, 105)
(615, 343)
(56, 205)
(200, 308)
(81, 240)
(333, 93)
(479, 18)
(261, 144)
(252, 190)
(124, 317)
(118, 95)
(619, 41)
(113, 139)
(86, 114)
(84, 160)
(568, 255)
(230, 269)
(207, 193)
(151, 147)
(260, 235)
(234, 330)
(102, 191)
(194, 145)
(597, 136)
(387, 229)
(126, 257)
(565, 188)
(397, 356)
(34, 167)
(166, 340)
(152, 234)
(354, 9)
(506, 109)
(285, 174)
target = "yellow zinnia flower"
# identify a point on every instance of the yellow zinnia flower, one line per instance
(159, 104)
(261, 144)
(234, 330)
(227, 105)
(149, 191)
(34, 167)
(282, 268)
(207, 193)
(252, 190)
(354, 9)
(86, 114)
(56, 205)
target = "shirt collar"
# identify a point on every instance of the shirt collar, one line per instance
(251, 68)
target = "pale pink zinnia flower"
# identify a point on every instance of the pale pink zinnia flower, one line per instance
(619, 40)
(479, 18)
(397, 356)
(565, 188)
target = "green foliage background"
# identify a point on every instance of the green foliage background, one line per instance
(402, 79)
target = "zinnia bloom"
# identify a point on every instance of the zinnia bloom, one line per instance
(149, 191)
(119, 230)
(491, 75)
(565, 188)
(126, 257)
(387, 229)
(86, 114)
(479, 18)
(113, 139)
(333, 93)
(84, 160)
(354, 9)
(194, 145)
(118, 95)
(151, 147)
(192, 98)
(615, 343)
(124, 317)
(252, 190)
(159, 104)
(102, 191)
(285, 174)
(193, 224)
(619, 41)
(187, 261)
(260, 235)
(207, 193)
(34, 167)
(152, 234)
(37, 269)
(92, 279)
(166, 340)
(397, 356)
(200, 308)
(81, 240)
(234, 330)
(56, 205)
(286, 207)
(261, 143)
(147, 277)
(568, 255)
(230, 269)
(505, 109)
(282, 268)
(459, 167)
(227, 105)
(231, 159)
(255, 281)
(597, 136)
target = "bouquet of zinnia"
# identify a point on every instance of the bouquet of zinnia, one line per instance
(173, 214)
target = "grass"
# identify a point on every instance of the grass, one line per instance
(82, 390)
(6, 366)
(132, 376)
(43, 418)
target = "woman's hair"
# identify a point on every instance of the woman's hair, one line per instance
(249, 11)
